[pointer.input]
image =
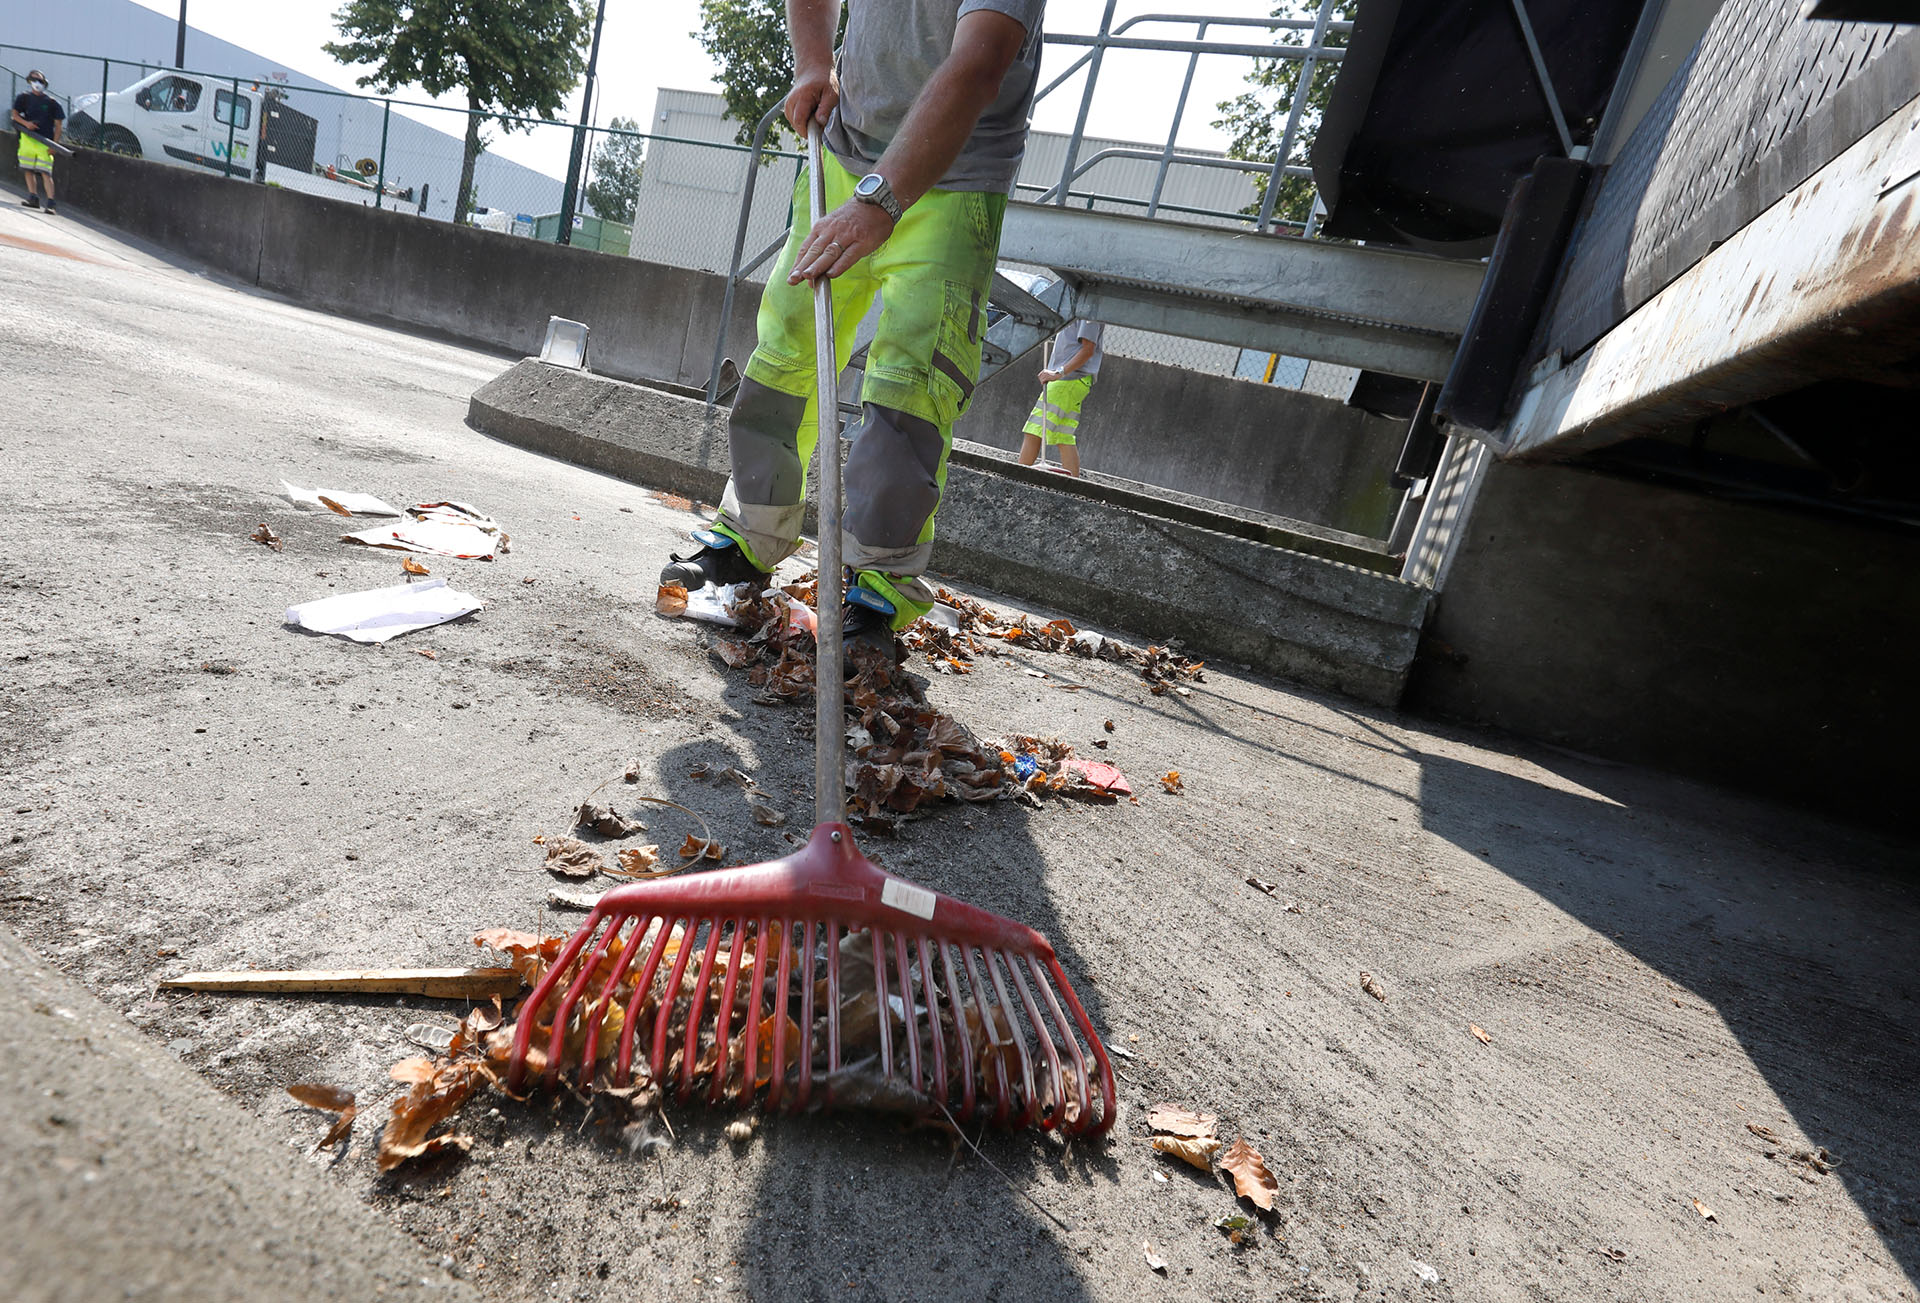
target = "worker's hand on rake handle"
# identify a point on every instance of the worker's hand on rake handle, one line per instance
(845, 236)
(812, 98)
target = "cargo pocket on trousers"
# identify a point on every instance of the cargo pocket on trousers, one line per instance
(956, 352)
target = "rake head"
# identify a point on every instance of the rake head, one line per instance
(820, 979)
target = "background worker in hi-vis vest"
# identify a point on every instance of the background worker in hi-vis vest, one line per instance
(925, 113)
(1068, 380)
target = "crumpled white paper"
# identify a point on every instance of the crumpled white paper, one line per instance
(382, 613)
(359, 504)
(439, 529)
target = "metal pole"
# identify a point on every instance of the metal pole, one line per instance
(1546, 81)
(106, 74)
(829, 707)
(739, 249)
(180, 39)
(1086, 102)
(233, 118)
(1294, 114)
(1179, 111)
(380, 186)
(571, 197)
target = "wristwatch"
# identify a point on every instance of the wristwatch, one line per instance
(873, 189)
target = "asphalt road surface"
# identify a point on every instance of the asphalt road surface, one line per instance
(1659, 967)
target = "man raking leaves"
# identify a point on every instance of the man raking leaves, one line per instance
(925, 120)
(40, 120)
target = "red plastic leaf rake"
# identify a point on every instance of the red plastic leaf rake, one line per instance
(944, 982)
(973, 1012)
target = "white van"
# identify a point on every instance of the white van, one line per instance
(178, 118)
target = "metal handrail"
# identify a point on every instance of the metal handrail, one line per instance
(735, 272)
(1180, 160)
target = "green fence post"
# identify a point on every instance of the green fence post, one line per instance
(380, 186)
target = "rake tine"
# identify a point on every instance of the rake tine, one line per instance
(1001, 1088)
(693, 1013)
(833, 998)
(906, 1010)
(530, 1008)
(671, 997)
(597, 1014)
(960, 1036)
(750, 1062)
(806, 1024)
(927, 983)
(719, 1086)
(880, 992)
(1056, 1084)
(776, 1087)
(623, 1063)
(564, 1012)
(1108, 1095)
(1073, 1045)
(1030, 1112)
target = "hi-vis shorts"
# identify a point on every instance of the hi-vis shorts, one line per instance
(34, 156)
(1056, 417)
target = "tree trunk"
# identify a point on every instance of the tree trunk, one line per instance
(463, 200)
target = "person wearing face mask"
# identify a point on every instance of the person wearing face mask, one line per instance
(36, 111)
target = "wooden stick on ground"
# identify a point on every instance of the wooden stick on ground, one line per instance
(439, 983)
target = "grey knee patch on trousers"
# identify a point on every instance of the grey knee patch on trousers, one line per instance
(892, 487)
(761, 441)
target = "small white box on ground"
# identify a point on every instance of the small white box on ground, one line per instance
(566, 344)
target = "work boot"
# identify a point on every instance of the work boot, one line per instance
(49, 206)
(866, 617)
(720, 560)
(31, 201)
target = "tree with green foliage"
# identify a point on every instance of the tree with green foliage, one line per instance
(1258, 118)
(748, 39)
(617, 164)
(510, 57)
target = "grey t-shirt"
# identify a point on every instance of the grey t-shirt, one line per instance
(1067, 343)
(892, 48)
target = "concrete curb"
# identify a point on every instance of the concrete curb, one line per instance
(1300, 617)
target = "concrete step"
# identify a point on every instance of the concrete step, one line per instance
(1110, 554)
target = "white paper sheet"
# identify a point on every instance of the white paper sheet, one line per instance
(382, 613)
(439, 529)
(360, 504)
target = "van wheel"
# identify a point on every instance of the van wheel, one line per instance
(119, 140)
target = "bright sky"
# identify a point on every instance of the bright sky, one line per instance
(648, 45)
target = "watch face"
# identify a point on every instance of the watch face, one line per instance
(870, 184)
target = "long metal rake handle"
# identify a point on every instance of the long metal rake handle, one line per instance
(829, 718)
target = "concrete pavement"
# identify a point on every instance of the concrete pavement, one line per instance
(1657, 964)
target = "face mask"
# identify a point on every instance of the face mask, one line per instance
(39, 87)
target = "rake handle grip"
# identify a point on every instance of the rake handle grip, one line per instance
(829, 719)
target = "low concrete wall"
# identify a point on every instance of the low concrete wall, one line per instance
(1764, 649)
(1300, 617)
(648, 321)
(1274, 450)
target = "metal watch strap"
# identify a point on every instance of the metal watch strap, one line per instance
(883, 199)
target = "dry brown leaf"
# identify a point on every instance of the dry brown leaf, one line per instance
(673, 500)
(607, 821)
(1251, 1179)
(1765, 1133)
(640, 861)
(341, 1129)
(1261, 884)
(1174, 1120)
(734, 653)
(334, 507)
(1479, 1033)
(329, 1099)
(765, 812)
(1372, 987)
(409, 566)
(411, 1072)
(572, 858)
(1705, 1212)
(694, 848)
(264, 534)
(1171, 781)
(427, 652)
(1154, 1261)
(1196, 1150)
(671, 600)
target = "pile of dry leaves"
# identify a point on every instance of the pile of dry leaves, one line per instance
(902, 753)
(1163, 669)
(1192, 1138)
(480, 1051)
